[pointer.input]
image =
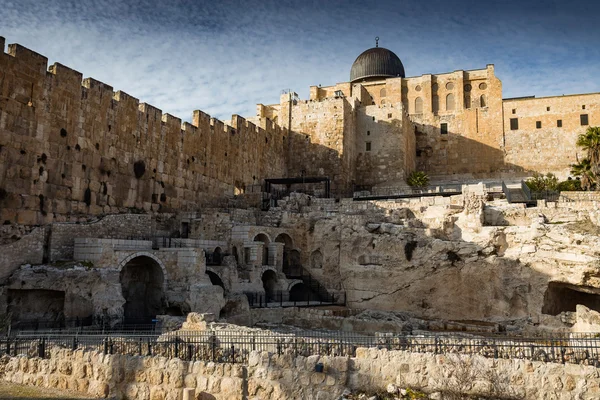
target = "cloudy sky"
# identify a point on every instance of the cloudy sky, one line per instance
(225, 56)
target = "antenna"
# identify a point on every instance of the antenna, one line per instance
(376, 41)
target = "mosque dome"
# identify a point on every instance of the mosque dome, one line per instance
(376, 63)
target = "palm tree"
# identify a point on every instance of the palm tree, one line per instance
(590, 142)
(417, 180)
(583, 169)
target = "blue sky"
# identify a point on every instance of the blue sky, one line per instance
(225, 56)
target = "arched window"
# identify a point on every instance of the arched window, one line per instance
(435, 103)
(467, 100)
(482, 102)
(382, 93)
(418, 105)
(450, 102)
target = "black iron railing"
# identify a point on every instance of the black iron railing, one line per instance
(235, 346)
(287, 299)
(85, 325)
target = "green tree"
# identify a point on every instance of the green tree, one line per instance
(417, 180)
(542, 183)
(590, 142)
(583, 169)
(570, 185)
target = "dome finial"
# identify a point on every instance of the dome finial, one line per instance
(376, 41)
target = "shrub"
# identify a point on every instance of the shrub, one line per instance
(418, 179)
(569, 185)
(540, 183)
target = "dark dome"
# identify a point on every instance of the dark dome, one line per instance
(376, 63)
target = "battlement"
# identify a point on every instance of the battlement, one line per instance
(92, 135)
(62, 72)
(28, 58)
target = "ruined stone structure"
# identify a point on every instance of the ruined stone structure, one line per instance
(112, 210)
(70, 147)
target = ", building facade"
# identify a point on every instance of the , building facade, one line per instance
(380, 126)
(74, 147)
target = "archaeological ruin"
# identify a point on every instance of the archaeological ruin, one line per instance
(284, 255)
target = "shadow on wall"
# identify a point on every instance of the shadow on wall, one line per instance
(445, 278)
(381, 152)
(442, 152)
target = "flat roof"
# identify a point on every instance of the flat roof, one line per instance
(550, 97)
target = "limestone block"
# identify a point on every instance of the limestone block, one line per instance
(189, 394)
(206, 299)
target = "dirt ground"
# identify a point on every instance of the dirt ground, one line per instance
(20, 392)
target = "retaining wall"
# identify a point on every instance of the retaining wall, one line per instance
(269, 376)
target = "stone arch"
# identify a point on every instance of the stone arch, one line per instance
(285, 239)
(450, 104)
(316, 259)
(482, 101)
(288, 246)
(269, 281)
(435, 103)
(142, 279)
(234, 251)
(418, 105)
(299, 292)
(145, 254)
(217, 256)
(263, 237)
(382, 92)
(215, 279)
(295, 262)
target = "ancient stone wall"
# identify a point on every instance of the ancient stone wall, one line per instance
(27, 250)
(534, 140)
(68, 148)
(286, 377)
(132, 226)
(323, 139)
(469, 103)
(385, 144)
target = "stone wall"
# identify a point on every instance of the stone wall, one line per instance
(62, 237)
(385, 144)
(549, 148)
(69, 148)
(286, 377)
(323, 140)
(27, 250)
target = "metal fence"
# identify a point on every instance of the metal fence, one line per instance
(85, 325)
(287, 299)
(235, 346)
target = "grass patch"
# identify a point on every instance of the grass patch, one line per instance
(585, 227)
(22, 392)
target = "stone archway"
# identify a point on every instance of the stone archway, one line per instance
(299, 292)
(269, 280)
(261, 237)
(291, 260)
(316, 259)
(142, 284)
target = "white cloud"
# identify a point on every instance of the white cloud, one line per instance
(225, 57)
